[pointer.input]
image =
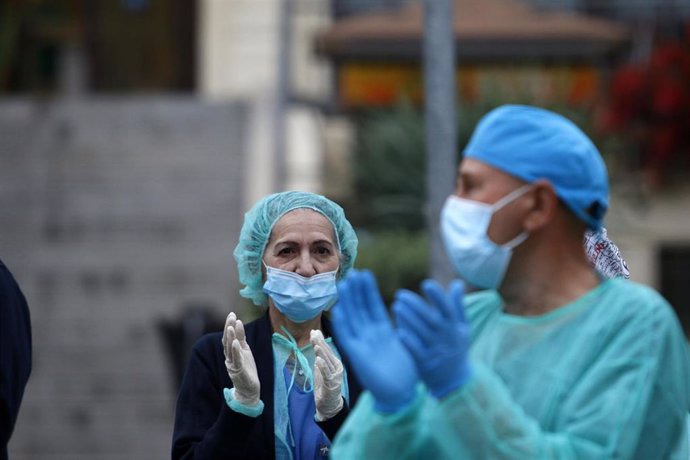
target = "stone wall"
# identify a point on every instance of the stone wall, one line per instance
(116, 213)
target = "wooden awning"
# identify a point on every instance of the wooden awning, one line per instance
(484, 30)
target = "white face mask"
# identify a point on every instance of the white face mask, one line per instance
(300, 298)
(464, 226)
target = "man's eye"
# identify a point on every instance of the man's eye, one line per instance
(323, 251)
(466, 187)
(285, 251)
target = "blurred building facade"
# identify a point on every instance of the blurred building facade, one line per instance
(123, 199)
(117, 212)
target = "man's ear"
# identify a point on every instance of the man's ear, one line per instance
(544, 205)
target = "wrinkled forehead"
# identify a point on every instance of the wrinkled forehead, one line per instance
(303, 220)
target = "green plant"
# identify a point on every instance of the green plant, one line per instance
(389, 170)
(399, 259)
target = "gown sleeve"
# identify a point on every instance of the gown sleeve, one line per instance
(371, 434)
(632, 402)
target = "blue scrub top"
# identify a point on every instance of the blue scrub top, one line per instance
(310, 440)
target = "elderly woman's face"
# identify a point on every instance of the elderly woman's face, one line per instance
(302, 241)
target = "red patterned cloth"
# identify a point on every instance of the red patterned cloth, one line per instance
(604, 255)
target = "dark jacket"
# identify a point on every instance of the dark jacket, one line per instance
(206, 428)
(15, 353)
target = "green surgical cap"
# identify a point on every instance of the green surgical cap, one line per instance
(256, 231)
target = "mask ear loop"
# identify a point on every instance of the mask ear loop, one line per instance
(517, 241)
(515, 194)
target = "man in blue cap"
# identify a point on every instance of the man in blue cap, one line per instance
(549, 359)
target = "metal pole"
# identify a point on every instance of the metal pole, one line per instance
(282, 97)
(441, 125)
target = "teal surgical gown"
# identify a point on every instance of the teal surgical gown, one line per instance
(606, 376)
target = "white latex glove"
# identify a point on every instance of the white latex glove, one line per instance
(328, 378)
(239, 362)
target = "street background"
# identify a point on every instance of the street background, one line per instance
(134, 134)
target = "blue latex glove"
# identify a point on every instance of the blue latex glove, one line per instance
(436, 333)
(380, 361)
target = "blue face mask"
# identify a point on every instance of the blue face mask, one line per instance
(300, 298)
(464, 225)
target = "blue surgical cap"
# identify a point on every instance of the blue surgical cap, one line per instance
(257, 227)
(531, 143)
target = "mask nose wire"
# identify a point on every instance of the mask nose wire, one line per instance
(337, 269)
